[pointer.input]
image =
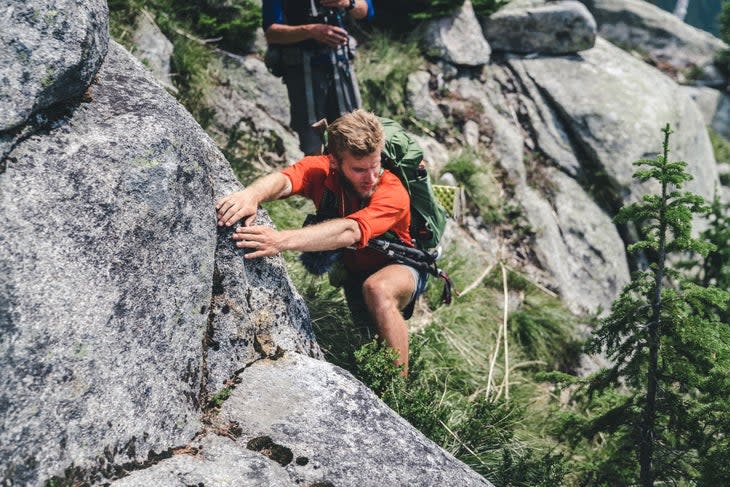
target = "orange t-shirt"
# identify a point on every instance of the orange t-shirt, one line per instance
(388, 208)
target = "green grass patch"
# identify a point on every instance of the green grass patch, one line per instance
(721, 149)
(219, 398)
(382, 66)
(485, 8)
(720, 146)
(230, 25)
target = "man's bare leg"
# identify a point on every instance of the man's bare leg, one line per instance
(385, 293)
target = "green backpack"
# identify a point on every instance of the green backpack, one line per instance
(404, 157)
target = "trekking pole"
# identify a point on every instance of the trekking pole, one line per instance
(387, 247)
(341, 68)
(416, 258)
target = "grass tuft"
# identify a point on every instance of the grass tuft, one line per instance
(382, 66)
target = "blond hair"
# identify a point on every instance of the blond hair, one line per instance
(360, 133)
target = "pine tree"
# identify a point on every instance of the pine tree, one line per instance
(656, 413)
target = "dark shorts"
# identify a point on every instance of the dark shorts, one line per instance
(353, 293)
(421, 279)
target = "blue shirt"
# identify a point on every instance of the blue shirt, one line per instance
(273, 12)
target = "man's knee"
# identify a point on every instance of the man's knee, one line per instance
(377, 292)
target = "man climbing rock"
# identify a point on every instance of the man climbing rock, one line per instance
(310, 49)
(367, 201)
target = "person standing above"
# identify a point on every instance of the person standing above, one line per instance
(310, 49)
(368, 201)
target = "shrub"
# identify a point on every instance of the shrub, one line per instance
(485, 8)
(403, 17)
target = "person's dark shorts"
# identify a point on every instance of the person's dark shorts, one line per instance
(421, 279)
(353, 292)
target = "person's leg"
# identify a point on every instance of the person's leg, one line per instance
(386, 292)
(309, 141)
(358, 310)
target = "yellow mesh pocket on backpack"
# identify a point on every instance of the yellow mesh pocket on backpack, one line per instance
(450, 198)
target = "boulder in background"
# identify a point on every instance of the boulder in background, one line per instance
(153, 49)
(457, 39)
(611, 108)
(555, 28)
(662, 37)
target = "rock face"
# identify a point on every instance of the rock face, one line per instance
(328, 419)
(124, 310)
(419, 98)
(592, 100)
(250, 109)
(212, 460)
(556, 28)
(308, 424)
(574, 240)
(577, 243)
(458, 39)
(51, 52)
(115, 326)
(639, 25)
(153, 49)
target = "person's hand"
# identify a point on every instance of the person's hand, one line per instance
(329, 35)
(264, 241)
(235, 206)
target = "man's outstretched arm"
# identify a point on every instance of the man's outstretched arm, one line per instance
(328, 235)
(244, 203)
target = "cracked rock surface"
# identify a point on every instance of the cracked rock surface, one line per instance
(121, 303)
(335, 429)
(301, 421)
(214, 461)
(293, 420)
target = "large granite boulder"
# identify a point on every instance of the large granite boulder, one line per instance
(662, 37)
(457, 39)
(418, 96)
(309, 423)
(123, 307)
(153, 48)
(607, 109)
(555, 28)
(574, 241)
(51, 51)
(319, 413)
